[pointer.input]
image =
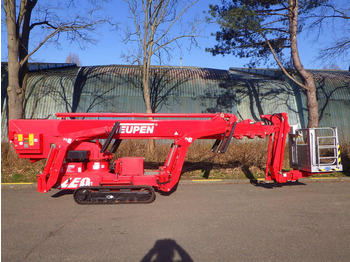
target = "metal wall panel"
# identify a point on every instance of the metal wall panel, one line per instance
(100, 87)
(257, 95)
(46, 96)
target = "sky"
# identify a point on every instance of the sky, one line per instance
(110, 47)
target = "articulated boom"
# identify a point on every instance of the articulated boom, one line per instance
(77, 160)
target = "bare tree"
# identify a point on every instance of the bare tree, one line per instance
(154, 22)
(73, 58)
(52, 22)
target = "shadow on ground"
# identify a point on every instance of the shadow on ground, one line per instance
(167, 250)
(63, 193)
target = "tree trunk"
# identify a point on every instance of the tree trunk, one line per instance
(312, 106)
(307, 78)
(145, 86)
(14, 89)
(15, 93)
(147, 97)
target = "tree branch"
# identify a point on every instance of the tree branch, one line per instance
(175, 20)
(281, 66)
(72, 27)
(172, 40)
(42, 23)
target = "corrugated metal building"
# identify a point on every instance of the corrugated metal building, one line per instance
(119, 89)
(245, 92)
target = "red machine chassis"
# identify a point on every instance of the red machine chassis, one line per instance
(75, 157)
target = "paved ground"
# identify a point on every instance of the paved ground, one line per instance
(199, 222)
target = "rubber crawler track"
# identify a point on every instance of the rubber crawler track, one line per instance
(114, 195)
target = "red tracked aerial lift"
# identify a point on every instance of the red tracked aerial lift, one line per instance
(76, 160)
